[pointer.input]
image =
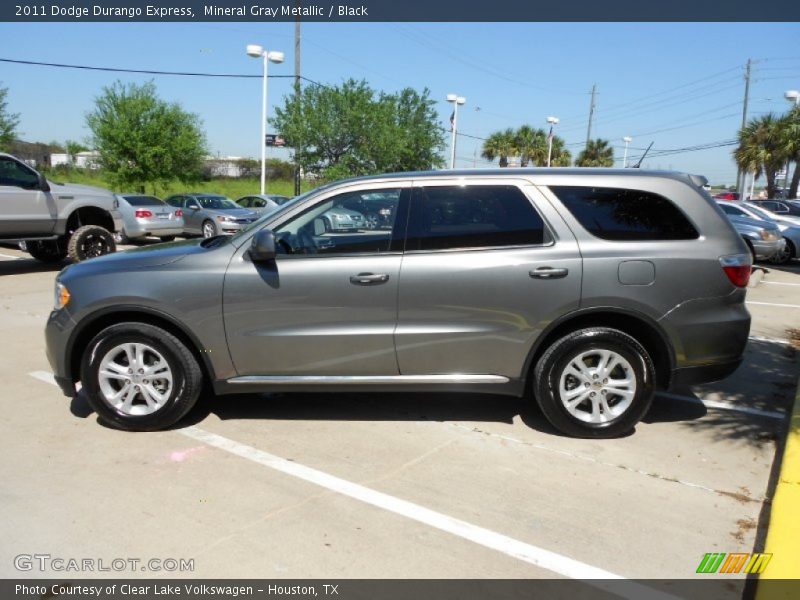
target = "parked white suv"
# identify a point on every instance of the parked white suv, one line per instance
(55, 220)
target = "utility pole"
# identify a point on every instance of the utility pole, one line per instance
(591, 114)
(740, 177)
(297, 94)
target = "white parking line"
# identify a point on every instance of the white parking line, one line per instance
(773, 304)
(771, 414)
(545, 559)
(9, 256)
(761, 338)
(779, 283)
(43, 376)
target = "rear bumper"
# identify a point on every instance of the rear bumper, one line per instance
(703, 373)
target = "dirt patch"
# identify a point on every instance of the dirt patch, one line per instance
(744, 526)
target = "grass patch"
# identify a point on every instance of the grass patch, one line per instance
(232, 187)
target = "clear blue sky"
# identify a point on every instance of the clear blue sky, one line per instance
(677, 85)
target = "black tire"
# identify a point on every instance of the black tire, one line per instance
(786, 256)
(168, 238)
(49, 251)
(90, 241)
(187, 377)
(204, 228)
(553, 363)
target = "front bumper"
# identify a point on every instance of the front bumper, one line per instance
(766, 249)
(57, 333)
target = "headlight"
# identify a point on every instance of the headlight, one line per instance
(222, 219)
(61, 296)
(768, 234)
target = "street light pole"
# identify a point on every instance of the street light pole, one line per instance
(627, 140)
(553, 122)
(256, 51)
(791, 96)
(456, 101)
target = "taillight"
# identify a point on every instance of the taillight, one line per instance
(141, 214)
(737, 267)
(179, 213)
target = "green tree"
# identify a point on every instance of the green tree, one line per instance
(347, 130)
(8, 121)
(501, 145)
(762, 148)
(532, 145)
(597, 153)
(143, 139)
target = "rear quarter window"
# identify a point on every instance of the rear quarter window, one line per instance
(625, 215)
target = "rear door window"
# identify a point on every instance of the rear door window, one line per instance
(473, 216)
(625, 215)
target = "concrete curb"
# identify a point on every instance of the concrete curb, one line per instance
(783, 534)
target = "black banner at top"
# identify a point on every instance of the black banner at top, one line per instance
(400, 10)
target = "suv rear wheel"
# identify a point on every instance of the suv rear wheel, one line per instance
(140, 377)
(595, 383)
(48, 251)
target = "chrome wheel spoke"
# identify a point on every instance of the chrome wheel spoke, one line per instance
(589, 393)
(137, 388)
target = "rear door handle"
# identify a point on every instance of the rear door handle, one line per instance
(548, 273)
(369, 278)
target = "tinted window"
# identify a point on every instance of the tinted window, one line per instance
(280, 200)
(622, 214)
(144, 201)
(176, 201)
(216, 202)
(14, 174)
(729, 209)
(334, 227)
(473, 216)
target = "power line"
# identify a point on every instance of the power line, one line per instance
(147, 71)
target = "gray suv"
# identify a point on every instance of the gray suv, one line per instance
(587, 289)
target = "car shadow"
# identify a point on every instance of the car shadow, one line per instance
(23, 266)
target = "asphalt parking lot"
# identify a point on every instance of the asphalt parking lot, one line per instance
(390, 486)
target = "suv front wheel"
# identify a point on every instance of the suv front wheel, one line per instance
(595, 383)
(90, 241)
(140, 377)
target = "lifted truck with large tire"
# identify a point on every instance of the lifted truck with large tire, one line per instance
(55, 220)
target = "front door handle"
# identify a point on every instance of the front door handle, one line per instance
(369, 278)
(548, 273)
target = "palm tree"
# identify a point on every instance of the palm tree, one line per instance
(762, 148)
(791, 143)
(532, 145)
(500, 144)
(597, 153)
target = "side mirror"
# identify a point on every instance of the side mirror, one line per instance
(43, 185)
(262, 248)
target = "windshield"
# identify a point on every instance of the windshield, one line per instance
(761, 212)
(144, 201)
(217, 202)
(257, 224)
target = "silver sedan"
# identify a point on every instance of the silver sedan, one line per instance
(148, 216)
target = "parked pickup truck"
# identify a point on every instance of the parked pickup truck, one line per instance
(55, 220)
